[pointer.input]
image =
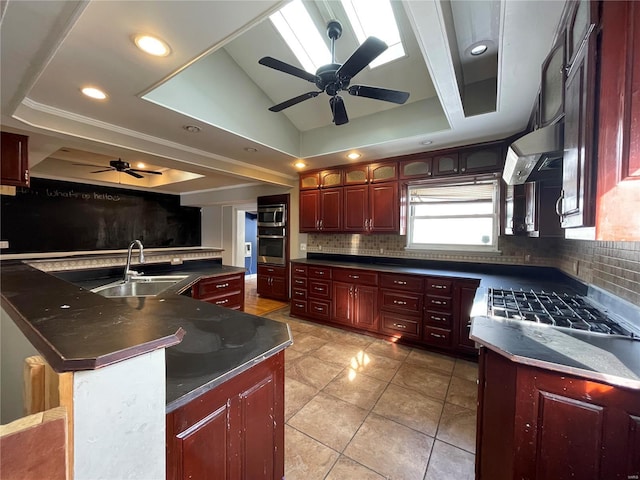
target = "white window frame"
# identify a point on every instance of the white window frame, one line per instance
(492, 247)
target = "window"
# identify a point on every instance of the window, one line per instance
(461, 216)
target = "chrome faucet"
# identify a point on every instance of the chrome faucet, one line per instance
(131, 273)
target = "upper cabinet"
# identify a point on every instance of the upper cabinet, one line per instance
(481, 160)
(361, 174)
(551, 99)
(618, 192)
(321, 179)
(416, 168)
(14, 160)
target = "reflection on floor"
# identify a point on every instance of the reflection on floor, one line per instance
(359, 408)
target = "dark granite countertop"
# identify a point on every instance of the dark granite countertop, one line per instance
(75, 329)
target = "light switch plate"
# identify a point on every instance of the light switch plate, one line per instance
(4, 244)
(303, 247)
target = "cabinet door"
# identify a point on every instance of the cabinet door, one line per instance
(14, 160)
(331, 210)
(552, 84)
(445, 164)
(309, 210)
(356, 208)
(576, 207)
(309, 180)
(418, 168)
(465, 302)
(384, 215)
(383, 172)
(356, 174)
(342, 306)
(330, 178)
(530, 217)
(482, 161)
(365, 301)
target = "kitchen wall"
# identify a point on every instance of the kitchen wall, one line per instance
(612, 266)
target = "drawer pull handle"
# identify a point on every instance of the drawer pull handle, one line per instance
(299, 282)
(269, 269)
(399, 325)
(399, 282)
(299, 305)
(222, 285)
(319, 309)
(298, 270)
(320, 273)
(222, 302)
(399, 302)
(300, 294)
(439, 287)
(354, 276)
(438, 302)
(319, 289)
(438, 319)
(437, 335)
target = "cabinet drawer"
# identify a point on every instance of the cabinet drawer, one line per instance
(318, 272)
(299, 294)
(355, 276)
(299, 270)
(438, 319)
(319, 288)
(401, 282)
(299, 282)
(437, 336)
(394, 324)
(215, 286)
(441, 304)
(229, 300)
(319, 309)
(438, 286)
(407, 302)
(298, 307)
(272, 271)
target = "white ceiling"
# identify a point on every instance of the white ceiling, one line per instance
(212, 79)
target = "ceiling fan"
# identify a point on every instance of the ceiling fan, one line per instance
(119, 166)
(335, 77)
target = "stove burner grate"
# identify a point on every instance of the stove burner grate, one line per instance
(559, 310)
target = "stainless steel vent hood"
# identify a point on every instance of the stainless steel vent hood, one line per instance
(535, 155)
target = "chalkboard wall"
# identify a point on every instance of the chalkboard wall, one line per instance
(54, 216)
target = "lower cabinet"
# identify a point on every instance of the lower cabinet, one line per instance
(235, 431)
(355, 299)
(272, 282)
(226, 291)
(538, 424)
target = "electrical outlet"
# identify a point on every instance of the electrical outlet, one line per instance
(382, 250)
(319, 247)
(4, 244)
(303, 247)
(176, 261)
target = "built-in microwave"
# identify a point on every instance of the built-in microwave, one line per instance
(272, 215)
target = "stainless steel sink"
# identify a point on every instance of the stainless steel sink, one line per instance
(141, 286)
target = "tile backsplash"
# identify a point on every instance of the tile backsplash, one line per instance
(612, 266)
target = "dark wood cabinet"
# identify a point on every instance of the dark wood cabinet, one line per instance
(618, 173)
(541, 219)
(355, 298)
(234, 431)
(464, 294)
(577, 202)
(372, 208)
(272, 282)
(356, 208)
(539, 424)
(401, 305)
(226, 291)
(447, 164)
(320, 179)
(481, 160)
(14, 160)
(321, 210)
(552, 84)
(416, 168)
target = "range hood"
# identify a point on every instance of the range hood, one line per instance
(536, 155)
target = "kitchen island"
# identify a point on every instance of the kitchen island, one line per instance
(207, 347)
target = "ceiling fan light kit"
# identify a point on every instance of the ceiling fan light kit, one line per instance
(335, 77)
(119, 166)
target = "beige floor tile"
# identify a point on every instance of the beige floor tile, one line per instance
(410, 408)
(329, 420)
(390, 449)
(450, 463)
(463, 393)
(339, 353)
(356, 388)
(466, 370)
(347, 469)
(296, 396)
(305, 458)
(431, 360)
(458, 427)
(299, 325)
(312, 371)
(433, 383)
(389, 349)
(291, 354)
(305, 343)
(376, 366)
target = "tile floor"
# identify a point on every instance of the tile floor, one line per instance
(359, 408)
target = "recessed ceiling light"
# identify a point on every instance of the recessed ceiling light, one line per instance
(299, 164)
(251, 150)
(353, 156)
(192, 128)
(426, 142)
(140, 165)
(478, 49)
(94, 93)
(152, 45)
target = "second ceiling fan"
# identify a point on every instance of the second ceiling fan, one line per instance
(336, 77)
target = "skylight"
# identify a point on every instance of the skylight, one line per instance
(298, 30)
(374, 18)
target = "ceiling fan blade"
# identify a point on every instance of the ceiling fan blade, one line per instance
(364, 54)
(144, 171)
(287, 68)
(338, 109)
(377, 93)
(105, 170)
(294, 101)
(133, 174)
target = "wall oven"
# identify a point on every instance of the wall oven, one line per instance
(272, 245)
(272, 215)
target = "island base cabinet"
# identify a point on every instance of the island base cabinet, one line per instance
(235, 431)
(537, 424)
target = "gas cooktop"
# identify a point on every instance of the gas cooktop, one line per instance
(558, 310)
